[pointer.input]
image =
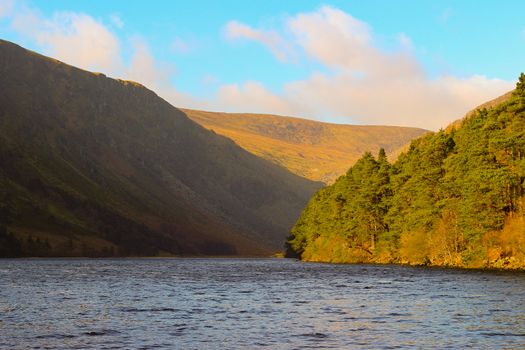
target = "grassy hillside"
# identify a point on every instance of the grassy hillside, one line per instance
(311, 149)
(456, 198)
(96, 166)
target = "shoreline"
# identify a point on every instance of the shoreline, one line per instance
(422, 266)
(236, 257)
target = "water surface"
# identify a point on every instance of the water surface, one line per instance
(254, 304)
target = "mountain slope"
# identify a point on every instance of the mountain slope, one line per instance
(454, 199)
(96, 166)
(487, 105)
(315, 150)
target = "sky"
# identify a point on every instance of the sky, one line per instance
(390, 62)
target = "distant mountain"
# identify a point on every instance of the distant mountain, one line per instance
(455, 198)
(311, 149)
(95, 166)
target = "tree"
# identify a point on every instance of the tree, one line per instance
(449, 197)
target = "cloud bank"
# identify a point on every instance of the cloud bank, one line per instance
(363, 83)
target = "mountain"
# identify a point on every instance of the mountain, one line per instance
(96, 166)
(311, 149)
(489, 104)
(455, 198)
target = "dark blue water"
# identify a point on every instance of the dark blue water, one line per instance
(252, 304)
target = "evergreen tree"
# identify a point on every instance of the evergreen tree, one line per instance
(451, 199)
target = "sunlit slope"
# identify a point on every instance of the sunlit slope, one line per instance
(489, 104)
(96, 166)
(315, 150)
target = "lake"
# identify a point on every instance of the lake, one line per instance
(254, 304)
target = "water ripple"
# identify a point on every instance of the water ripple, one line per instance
(254, 304)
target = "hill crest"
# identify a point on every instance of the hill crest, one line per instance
(315, 150)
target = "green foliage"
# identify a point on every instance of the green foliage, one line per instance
(353, 207)
(440, 203)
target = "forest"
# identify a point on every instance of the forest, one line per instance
(455, 198)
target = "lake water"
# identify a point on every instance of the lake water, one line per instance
(254, 304)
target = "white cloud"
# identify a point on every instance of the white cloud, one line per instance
(280, 48)
(249, 95)
(334, 38)
(77, 39)
(363, 83)
(80, 40)
(413, 101)
(155, 75)
(143, 67)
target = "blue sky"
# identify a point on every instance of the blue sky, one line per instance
(418, 63)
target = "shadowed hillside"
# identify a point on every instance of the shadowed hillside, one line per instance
(96, 166)
(315, 150)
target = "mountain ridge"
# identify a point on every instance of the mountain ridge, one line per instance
(97, 166)
(316, 150)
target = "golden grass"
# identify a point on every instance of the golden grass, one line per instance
(311, 149)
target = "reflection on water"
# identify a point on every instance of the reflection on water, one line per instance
(251, 304)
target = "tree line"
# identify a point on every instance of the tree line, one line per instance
(455, 198)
